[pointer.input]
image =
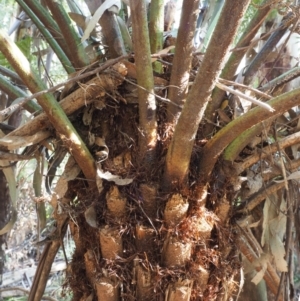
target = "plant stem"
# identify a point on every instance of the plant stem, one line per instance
(56, 115)
(52, 42)
(215, 146)
(156, 29)
(147, 105)
(44, 16)
(110, 29)
(180, 149)
(15, 92)
(232, 64)
(182, 59)
(79, 57)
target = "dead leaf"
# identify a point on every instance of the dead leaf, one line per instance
(108, 4)
(170, 15)
(78, 19)
(112, 178)
(293, 176)
(70, 173)
(223, 117)
(295, 150)
(163, 51)
(254, 182)
(278, 251)
(274, 228)
(262, 262)
(259, 275)
(99, 104)
(255, 224)
(87, 115)
(102, 154)
(91, 138)
(91, 216)
(265, 225)
(15, 142)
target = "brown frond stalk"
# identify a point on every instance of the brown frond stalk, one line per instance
(233, 62)
(180, 150)
(183, 58)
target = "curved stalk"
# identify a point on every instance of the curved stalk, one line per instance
(214, 147)
(16, 92)
(237, 145)
(180, 149)
(267, 151)
(11, 74)
(281, 79)
(51, 107)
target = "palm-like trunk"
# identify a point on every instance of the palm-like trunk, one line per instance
(151, 207)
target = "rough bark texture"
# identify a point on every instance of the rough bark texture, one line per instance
(149, 227)
(180, 75)
(232, 64)
(147, 104)
(180, 149)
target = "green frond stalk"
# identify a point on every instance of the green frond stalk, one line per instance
(156, 29)
(37, 186)
(44, 16)
(49, 38)
(215, 146)
(15, 92)
(236, 146)
(79, 57)
(11, 74)
(56, 115)
(147, 105)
